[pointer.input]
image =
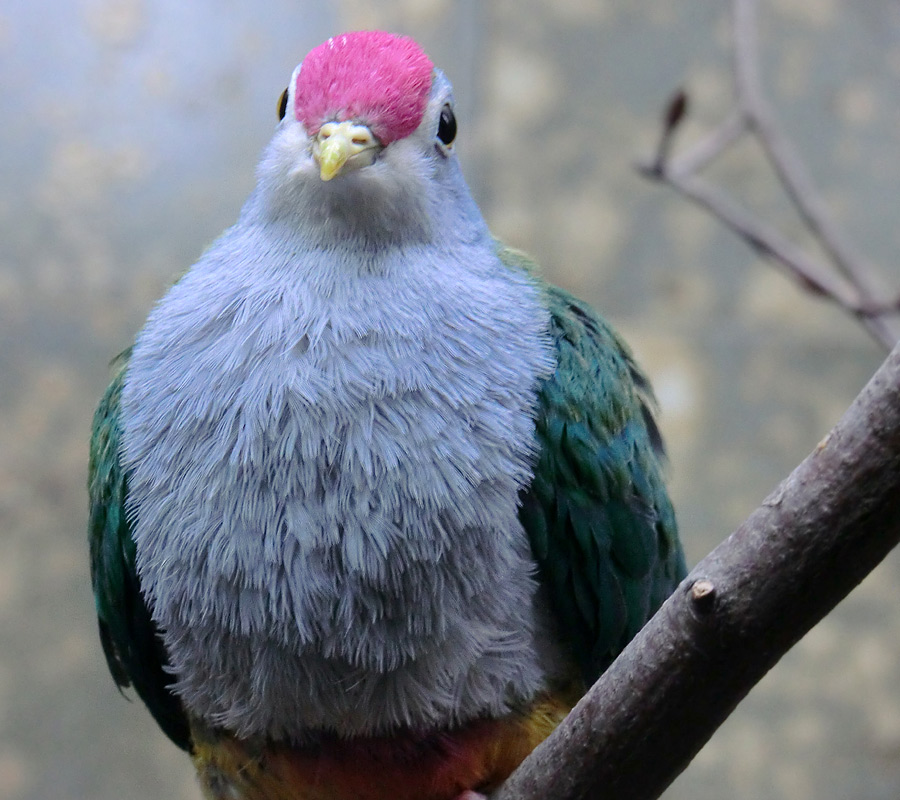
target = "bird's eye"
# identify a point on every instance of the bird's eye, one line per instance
(282, 104)
(447, 125)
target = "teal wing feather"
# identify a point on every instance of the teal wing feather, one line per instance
(600, 522)
(131, 642)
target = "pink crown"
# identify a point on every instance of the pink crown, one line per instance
(377, 78)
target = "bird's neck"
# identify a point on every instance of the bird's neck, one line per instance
(363, 214)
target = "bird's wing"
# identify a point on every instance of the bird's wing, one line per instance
(600, 522)
(131, 643)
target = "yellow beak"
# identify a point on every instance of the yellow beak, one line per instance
(343, 146)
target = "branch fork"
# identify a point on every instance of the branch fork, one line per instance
(845, 278)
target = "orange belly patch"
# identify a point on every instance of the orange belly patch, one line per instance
(479, 756)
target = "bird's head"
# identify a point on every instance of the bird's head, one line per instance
(365, 142)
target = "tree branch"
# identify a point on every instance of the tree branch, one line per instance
(812, 540)
(741, 608)
(849, 281)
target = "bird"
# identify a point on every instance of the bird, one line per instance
(372, 503)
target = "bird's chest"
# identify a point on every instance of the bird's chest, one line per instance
(377, 461)
(325, 502)
(376, 439)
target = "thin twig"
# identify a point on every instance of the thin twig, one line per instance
(767, 240)
(710, 147)
(792, 172)
(849, 281)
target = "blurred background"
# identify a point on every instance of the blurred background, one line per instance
(130, 133)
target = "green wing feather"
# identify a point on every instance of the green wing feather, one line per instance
(130, 639)
(600, 522)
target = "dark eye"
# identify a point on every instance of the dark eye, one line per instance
(447, 125)
(282, 104)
